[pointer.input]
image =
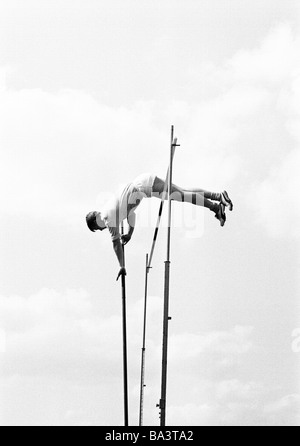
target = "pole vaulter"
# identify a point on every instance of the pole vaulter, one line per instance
(123, 206)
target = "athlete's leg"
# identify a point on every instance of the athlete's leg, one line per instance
(215, 196)
(221, 197)
(197, 198)
(192, 196)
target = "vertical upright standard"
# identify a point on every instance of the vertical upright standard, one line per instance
(144, 347)
(148, 267)
(123, 282)
(166, 318)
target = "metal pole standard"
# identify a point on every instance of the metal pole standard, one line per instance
(125, 377)
(166, 318)
(144, 348)
(148, 267)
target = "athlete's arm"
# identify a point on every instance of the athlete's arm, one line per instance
(119, 252)
(120, 256)
(131, 224)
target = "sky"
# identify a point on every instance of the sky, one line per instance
(88, 93)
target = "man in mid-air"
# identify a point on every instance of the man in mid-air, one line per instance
(147, 185)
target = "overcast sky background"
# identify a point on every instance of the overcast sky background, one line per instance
(88, 93)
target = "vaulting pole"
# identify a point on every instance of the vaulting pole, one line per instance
(166, 318)
(164, 195)
(125, 377)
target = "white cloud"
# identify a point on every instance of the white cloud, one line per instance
(276, 199)
(2, 79)
(52, 333)
(275, 67)
(60, 150)
(57, 339)
(2, 341)
(238, 404)
(59, 346)
(285, 411)
(233, 388)
(227, 343)
(276, 60)
(192, 415)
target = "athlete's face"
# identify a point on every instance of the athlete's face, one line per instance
(100, 222)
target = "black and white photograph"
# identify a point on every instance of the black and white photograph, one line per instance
(150, 215)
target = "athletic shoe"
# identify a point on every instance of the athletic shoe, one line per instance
(226, 200)
(220, 214)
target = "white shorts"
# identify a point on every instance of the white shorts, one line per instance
(144, 183)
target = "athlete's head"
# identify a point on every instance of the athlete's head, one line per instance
(94, 221)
